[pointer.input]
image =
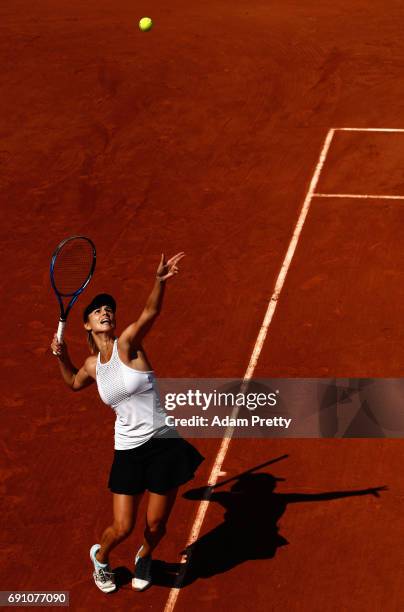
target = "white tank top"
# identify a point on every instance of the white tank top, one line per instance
(133, 396)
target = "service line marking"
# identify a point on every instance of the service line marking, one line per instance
(217, 467)
(353, 129)
(358, 196)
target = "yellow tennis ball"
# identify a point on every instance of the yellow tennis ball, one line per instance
(145, 24)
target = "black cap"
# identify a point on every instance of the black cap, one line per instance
(102, 299)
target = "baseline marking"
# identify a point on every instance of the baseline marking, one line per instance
(217, 467)
(358, 196)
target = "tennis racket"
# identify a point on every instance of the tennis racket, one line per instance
(72, 266)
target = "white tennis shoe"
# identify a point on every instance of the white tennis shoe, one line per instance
(143, 578)
(103, 577)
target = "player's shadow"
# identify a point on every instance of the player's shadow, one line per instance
(249, 529)
(123, 576)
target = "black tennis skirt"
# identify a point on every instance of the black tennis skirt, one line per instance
(158, 465)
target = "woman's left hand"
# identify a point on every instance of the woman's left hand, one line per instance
(169, 268)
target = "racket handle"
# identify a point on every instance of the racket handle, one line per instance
(60, 332)
(61, 329)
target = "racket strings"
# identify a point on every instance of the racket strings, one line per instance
(73, 266)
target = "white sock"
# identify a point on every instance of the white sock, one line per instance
(98, 564)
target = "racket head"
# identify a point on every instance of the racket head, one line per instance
(72, 266)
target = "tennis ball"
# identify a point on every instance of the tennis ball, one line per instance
(145, 24)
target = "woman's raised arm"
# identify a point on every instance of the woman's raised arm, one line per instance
(154, 302)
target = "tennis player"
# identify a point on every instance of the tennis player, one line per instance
(148, 454)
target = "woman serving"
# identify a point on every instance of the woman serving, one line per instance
(148, 454)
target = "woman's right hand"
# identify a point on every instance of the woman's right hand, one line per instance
(57, 347)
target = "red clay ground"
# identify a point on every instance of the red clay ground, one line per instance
(202, 136)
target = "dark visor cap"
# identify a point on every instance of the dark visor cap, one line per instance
(102, 299)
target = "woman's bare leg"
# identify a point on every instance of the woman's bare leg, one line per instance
(158, 511)
(124, 509)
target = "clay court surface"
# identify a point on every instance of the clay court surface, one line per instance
(204, 135)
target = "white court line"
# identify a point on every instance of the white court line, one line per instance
(358, 196)
(349, 129)
(217, 467)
